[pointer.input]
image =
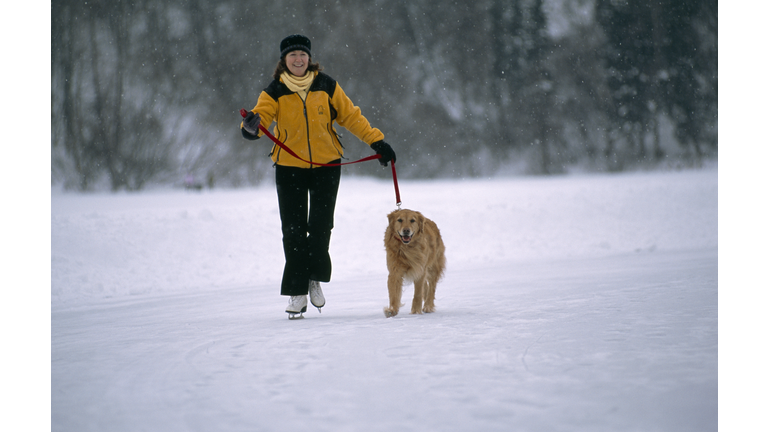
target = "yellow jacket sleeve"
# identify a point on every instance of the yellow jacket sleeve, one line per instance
(351, 118)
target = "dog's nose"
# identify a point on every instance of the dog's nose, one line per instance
(406, 232)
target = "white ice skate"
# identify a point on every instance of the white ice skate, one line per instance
(316, 295)
(297, 305)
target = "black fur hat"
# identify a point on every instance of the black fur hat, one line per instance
(295, 42)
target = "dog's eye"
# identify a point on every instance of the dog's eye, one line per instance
(413, 220)
(400, 220)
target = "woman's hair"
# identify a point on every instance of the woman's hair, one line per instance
(282, 67)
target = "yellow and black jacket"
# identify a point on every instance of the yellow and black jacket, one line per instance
(306, 126)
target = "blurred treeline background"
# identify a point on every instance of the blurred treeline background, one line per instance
(147, 92)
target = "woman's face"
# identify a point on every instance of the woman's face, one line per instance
(297, 62)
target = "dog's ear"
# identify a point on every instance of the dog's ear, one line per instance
(389, 232)
(391, 217)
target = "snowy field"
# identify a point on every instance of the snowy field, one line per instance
(578, 303)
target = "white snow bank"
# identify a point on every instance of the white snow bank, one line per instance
(572, 303)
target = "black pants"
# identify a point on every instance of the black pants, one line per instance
(307, 200)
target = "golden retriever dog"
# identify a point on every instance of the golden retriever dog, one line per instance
(415, 252)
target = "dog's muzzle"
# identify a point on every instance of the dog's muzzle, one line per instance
(405, 236)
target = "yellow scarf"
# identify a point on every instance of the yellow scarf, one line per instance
(298, 85)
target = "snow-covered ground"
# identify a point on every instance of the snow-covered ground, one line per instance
(583, 303)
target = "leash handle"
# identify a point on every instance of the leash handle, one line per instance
(398, 202)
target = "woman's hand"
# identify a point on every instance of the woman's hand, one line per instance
(386, 152)
(251, 123)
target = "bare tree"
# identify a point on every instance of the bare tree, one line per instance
(149, 91)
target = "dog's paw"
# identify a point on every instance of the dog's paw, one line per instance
(416, 311)
(429, 308)
(390, 312)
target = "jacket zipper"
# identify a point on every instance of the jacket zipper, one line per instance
(306, 121)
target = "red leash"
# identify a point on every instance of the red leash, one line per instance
(397, 190)
(244, 113)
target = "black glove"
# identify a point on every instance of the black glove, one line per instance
(386, 152)
(251, 123)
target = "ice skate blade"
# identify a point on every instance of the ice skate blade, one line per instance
(294, 316)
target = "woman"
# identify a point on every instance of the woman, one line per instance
(305, 103)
